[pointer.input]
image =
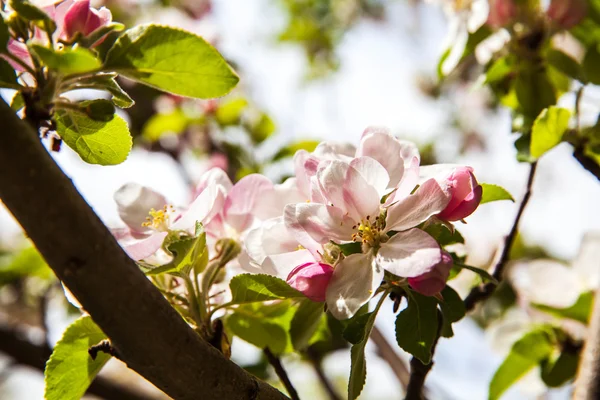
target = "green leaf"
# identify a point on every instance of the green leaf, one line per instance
(483, 274)
(230, 113)
(27, 262)
(556, 371)
(107, 82)
(442, 234)
(70, 369)
(548, 130)
(171, 60)
(8, 76)
(580, 311)
(350, 248)
(525, 354)
(494, 193)
(30, 12)
(67, 61)
(590, 64)
(417, 326)
(188, 253)
(565, 64)
(307, 319)
(17, 102)
(499, 70)
(4, 36)
(249, 288)
(99, 110)
(174, 122)
(534, 91)
(358, 368)
(263, 325)
(453, 307)
(262, 129)
(292, 148)
(96, 142)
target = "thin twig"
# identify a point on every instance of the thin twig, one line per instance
(317, 363)
(281, 373)
(483, 292)
(389, 355)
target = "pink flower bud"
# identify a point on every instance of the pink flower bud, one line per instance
(567, 13)
(311, 279)
(434, 281)
(502, 12)
(81, 17)
(466, 194)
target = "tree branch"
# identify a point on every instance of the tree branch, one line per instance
(149, 334)
(33, 355)
(389, 355)
(317, 363)
(281, 373)
(483, 292)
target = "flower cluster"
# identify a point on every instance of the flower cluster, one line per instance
(350, 219)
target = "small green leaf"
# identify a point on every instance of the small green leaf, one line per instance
(556, 371)
(17, 102)
(159, 124)
(453, 310)
(417, 326)
(4, 36)
(350, 248)
(483, 274)
(96, 142)
(99, 110)
(494, 193)
(358, 367)
(249, 288)
(30, 12)
(263, 325)
(307, 319)
(67, 61)
(8, 76)
(292, 148)
(70, 369)
(442, 234)
(525, 354)
(171, 60)
(28, 262)
(590, 64)
(262, 129)
(499, 70)
(548, 130)
(107, 82)
(188, 253)
(565, 64)
(580, 311)
(230, 113)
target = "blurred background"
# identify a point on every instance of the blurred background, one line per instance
(314, 70)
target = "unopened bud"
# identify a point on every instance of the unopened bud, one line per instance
(311, 279)
(434, 281)
(567, 13)
(84, 19)
(465, 194)
(502, 13)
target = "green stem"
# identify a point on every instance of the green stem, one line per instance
(195, 308)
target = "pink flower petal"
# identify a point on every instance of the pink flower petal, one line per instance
(428, 200)
(145, 247)
(208, 204)
(321, 222)
(243, 198)
(409, 254)
(372, 172)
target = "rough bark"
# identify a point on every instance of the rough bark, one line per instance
(149, 334)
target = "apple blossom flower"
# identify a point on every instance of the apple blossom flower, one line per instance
(353, 213)
(78, 16)
(434, 281)
(311, 279)
(149, 218)
(567, 13)
(502, 13)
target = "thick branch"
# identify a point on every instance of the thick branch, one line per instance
(149, 334)
(483, 292)
(34, 355)
(281, 373)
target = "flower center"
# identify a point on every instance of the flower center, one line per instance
(369, 231)
(159, 220)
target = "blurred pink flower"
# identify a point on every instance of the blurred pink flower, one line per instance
(567, 13)
(502, 12)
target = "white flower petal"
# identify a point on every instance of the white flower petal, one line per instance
(429, 199)
(321, 222)
(144, 248)
(134, 202)
(203, 208)
(409, 254)
(353, 283)
(373, 172)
